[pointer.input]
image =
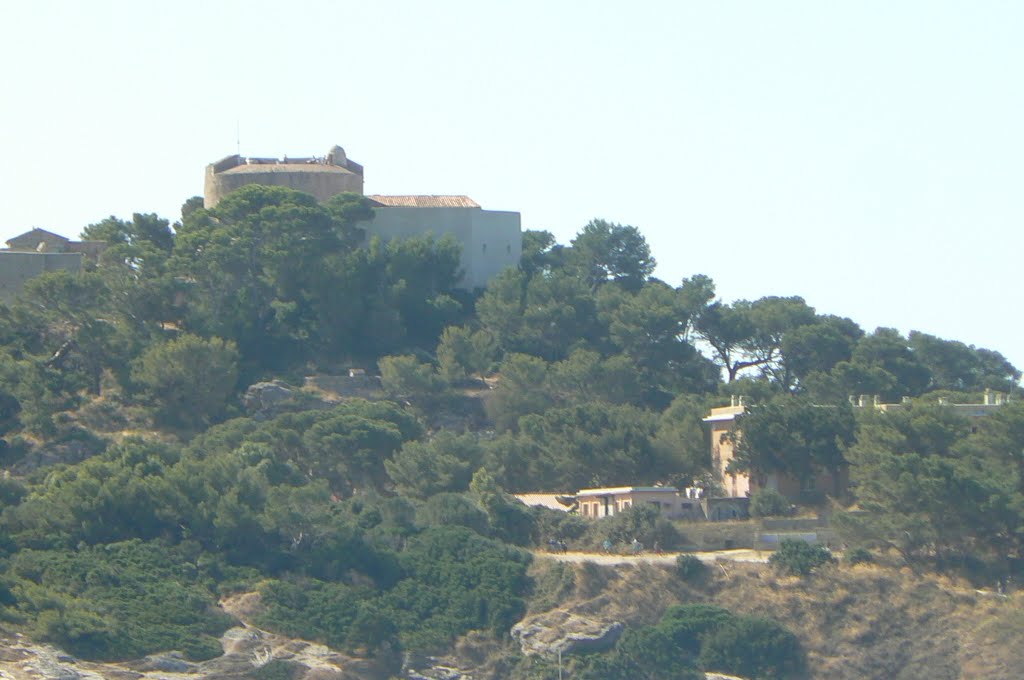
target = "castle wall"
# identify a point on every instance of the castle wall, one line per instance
(491, 241)
(322, 181)
(18, 267)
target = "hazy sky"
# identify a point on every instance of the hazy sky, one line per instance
(864, 155)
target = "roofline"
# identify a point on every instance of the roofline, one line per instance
(624, 489)
(721, 417)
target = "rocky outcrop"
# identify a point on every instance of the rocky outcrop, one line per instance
(267, 398)
(246, 651)
(437, 673)
(559, 631)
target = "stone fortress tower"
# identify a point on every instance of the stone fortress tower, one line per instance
(491, 240)
(322, 177)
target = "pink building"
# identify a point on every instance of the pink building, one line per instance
(607, 502)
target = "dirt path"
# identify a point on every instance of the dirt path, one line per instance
(743, 555)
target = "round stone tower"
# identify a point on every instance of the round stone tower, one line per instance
(323, 177)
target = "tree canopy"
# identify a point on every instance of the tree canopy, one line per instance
(139, 485)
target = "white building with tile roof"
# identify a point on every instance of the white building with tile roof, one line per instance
(491, 240)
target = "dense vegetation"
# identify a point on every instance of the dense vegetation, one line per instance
(700, 637)
(141, 489)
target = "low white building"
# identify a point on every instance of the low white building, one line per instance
(608, 502)
(491, 240)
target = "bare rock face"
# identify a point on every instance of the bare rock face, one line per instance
(437, 673)
(171, 662)
(266, 397)
(561, 631)
(246, 650)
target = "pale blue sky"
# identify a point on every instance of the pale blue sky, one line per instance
(865, 155)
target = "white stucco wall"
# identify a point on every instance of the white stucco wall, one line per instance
(491, 240)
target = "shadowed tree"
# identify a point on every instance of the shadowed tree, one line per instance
(956, 366)
(253, 262)
(819, 346)
(792, 435)
(188, 378)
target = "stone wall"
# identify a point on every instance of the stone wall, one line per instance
(18, 267)
(320, 180)
(321, 177)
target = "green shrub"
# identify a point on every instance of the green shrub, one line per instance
(689, 624)
(456, 581)
(798, 558)
(189, 379)
(651, 652)
(768, 503)
(452, 581)
(117, 601)
(311, 609)
(690, 568)
(404, 375)
(279, 669)
(11, 492)
(858, 556)
(641, 522)
(752, 648)
(453, 509)
(561, 526)
(705, 637)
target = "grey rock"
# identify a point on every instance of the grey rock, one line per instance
(417, 666)
(265, 400)
(560, 631)
(171, 662)
(438, 673)
(263, 395)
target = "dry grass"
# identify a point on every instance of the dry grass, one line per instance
(865, 621)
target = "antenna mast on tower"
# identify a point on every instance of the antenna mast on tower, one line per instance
(238, 137)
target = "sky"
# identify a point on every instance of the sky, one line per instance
(866, 156)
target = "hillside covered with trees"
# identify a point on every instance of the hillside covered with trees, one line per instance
(139, 488)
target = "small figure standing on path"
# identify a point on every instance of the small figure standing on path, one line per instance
(636, 546)
(657, 547)
(607, 546)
